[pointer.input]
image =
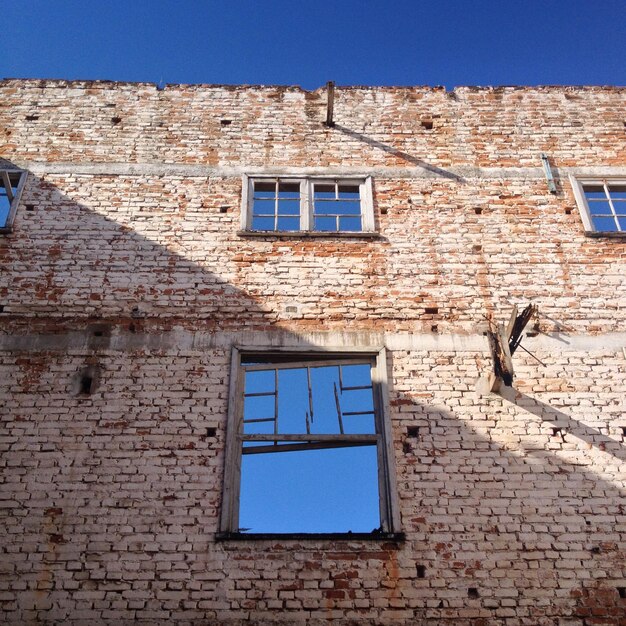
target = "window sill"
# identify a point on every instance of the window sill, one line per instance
(305, 234)
(605, 234)
(379, 536)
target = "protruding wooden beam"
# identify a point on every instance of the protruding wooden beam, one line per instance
(330, 103)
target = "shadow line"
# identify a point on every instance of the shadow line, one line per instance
(399, 153)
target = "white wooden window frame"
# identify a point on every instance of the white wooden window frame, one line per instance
(5, 176)
(578, 183)
(388, 504)
(306, 202)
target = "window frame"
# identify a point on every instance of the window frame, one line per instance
(388, 505)
(578, 183)
(306, 182)
(5, 174)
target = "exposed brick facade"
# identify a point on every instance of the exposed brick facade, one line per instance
(126, 260)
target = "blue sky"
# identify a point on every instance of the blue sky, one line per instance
(306, 42)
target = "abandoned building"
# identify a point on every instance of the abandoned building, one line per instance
(274, 355)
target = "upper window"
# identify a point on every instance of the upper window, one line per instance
(11, 184)
(318, 205)
(308, 446)
(602, 204)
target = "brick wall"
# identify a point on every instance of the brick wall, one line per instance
(126, 259)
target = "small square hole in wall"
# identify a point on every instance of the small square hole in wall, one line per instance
(427, 124)
(224, 209)
(86, 384)
(413, 431)
(226, 122)
(30, 207)
(431, 310)
(116, 120)
(622, 592)
(472, 592)
(478, 210)
(421, 571)
(211, 431)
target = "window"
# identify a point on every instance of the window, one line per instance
(11, 185)
(602, 205)
(315, 205)
(308, 448)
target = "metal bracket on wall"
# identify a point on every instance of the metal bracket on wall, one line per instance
(548, 172)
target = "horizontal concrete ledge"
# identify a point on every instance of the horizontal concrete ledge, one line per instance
(184, 340)
(458, 173)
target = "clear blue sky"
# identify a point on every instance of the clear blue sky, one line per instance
(308, 42)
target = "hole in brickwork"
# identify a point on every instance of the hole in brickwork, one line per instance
(406, 447)
(1, 308)
(568, 210)
(116, 120)
(478, 210)
(595, 550)
(211, 431)
(32, 118)
(226, 122)
(413, 431)
(477, 248)
(434, 328)
(621, 591)
(431, 310)
(624, 431)
(427, 124)
(556, 432)
(132, 328)
(383, 211)
(30, 207)
(86, 384)
(98, 333)
(224, 209)
(421, 571)
(472, 592)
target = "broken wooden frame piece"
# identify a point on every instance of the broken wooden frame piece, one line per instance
(503, 342)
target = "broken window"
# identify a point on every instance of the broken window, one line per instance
(11, 184)
(602, 205)
(283, 205)
(308, 446)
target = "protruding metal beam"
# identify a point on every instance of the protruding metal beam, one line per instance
(330, 103)
(548, 171)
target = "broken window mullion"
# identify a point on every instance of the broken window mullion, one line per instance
(308, 378)
(315, 445)
(276, 402)
(7, 185)
(339, 419)
(311, 437)
(294, 365)
(261, 419)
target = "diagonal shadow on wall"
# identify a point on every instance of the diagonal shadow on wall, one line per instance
(476, 507)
